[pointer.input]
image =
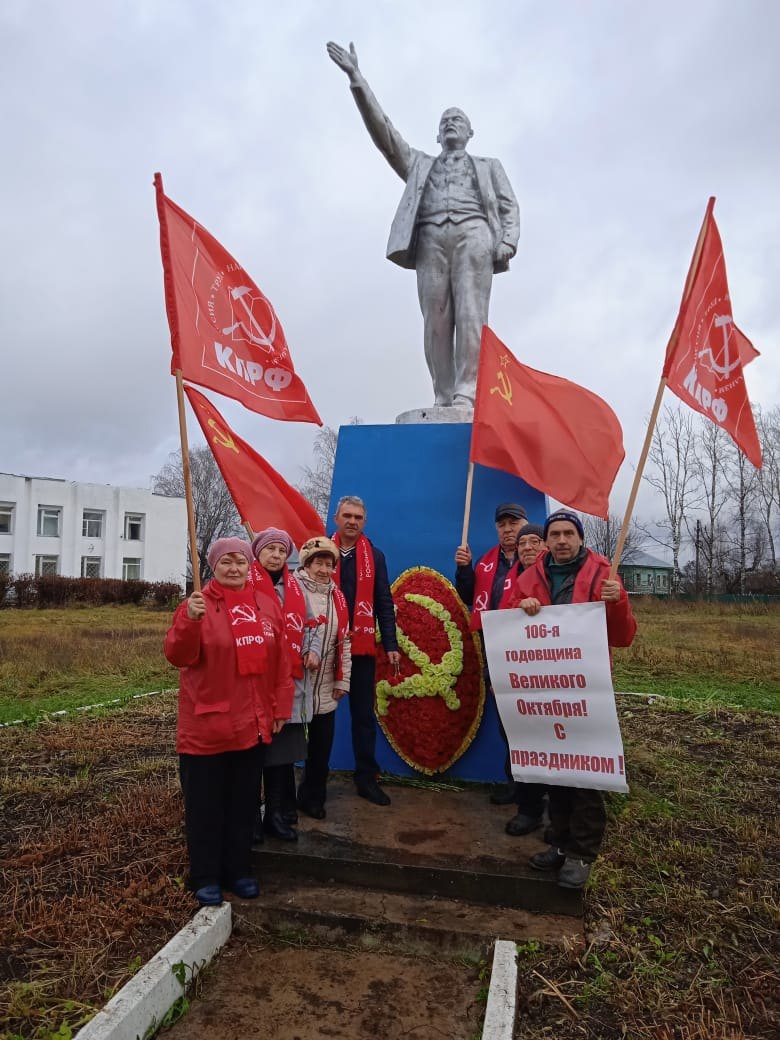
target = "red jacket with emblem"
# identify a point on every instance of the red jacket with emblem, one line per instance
(534, 583)
(219, 709)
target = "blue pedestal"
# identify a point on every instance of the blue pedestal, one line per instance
(413, 481)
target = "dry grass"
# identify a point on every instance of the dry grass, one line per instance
(53, 659)
(91, 862)
(715, 652)
(682, 911)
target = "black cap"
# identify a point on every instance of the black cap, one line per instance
(536, 529)
(512, 509)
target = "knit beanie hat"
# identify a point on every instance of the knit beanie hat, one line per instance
(536, 529)
(318, 545)
(271, 534)
(227, 545)
(564, 514)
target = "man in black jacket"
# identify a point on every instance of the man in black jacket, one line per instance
(362, 577)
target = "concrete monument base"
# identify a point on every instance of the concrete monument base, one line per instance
(413, 481)
(436, 413)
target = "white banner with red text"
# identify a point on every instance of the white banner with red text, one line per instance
(553, 684)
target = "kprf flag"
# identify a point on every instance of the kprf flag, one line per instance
(707, 352)
(263, 497)
(224, 332)
(557, 436)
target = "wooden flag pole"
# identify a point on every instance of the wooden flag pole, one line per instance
(467, 511)
(692, 272)
(637, 479)
(185, 466)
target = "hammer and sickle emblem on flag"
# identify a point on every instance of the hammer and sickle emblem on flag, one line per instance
(504, 389)
(224, 440)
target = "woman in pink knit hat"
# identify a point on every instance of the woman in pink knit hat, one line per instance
(235, 692)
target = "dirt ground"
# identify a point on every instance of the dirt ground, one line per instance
(299, 993)
(680, 917)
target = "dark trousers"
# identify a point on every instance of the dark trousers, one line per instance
(578, 818)
(279, 788)
(220, 801)
(361, 706)
(529, 797)
(313, 787)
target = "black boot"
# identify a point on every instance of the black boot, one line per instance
(274, 822)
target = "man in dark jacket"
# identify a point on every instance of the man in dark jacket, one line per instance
(482, 588)
(570, 573)
(362, 577)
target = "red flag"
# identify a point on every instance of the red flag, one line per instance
(559, 437)
(262, 496)
(224, 332)
(707, 352)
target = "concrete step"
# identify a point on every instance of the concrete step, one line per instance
(432, 841)
(419, 925)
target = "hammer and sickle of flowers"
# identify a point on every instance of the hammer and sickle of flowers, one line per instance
(433, 680)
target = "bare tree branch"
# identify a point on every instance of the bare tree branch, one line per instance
(673, 457)
(215, 513)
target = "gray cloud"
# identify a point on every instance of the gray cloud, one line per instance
(615, 121)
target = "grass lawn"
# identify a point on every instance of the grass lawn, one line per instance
(56, 659)
(711, 652)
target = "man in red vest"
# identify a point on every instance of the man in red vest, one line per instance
(570, 573)
(481, 588)
(362, 577)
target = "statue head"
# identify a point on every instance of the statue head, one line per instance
(454, 129)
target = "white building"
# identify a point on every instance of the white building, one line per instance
(50, 526)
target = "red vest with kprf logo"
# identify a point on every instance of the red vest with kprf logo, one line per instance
(484, 574)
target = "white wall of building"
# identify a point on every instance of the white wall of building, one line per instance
(161, 547)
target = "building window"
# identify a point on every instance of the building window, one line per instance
(5, 563)
(661, 581)
(131, 569)
(90, 566)
(49, 521)
(134, 526)
(6, 518)
(92, 524)
(46, 566)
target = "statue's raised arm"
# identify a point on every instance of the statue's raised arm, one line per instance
(457, 225)
(384, 135)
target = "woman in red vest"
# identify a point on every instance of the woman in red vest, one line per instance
(235, 691)
(271, 549)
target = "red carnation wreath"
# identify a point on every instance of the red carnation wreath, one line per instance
(430, 712)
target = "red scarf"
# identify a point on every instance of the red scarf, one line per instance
(249, 629)
(513, 574)
(363, 625)
(294, 609)
(484, 573)
(342, 614)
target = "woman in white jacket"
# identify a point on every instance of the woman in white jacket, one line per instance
(322, 689)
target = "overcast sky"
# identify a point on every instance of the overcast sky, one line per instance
(614, 120)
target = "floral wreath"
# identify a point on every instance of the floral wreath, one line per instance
(431, 709)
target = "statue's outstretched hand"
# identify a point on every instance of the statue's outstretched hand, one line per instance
(346, 60)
